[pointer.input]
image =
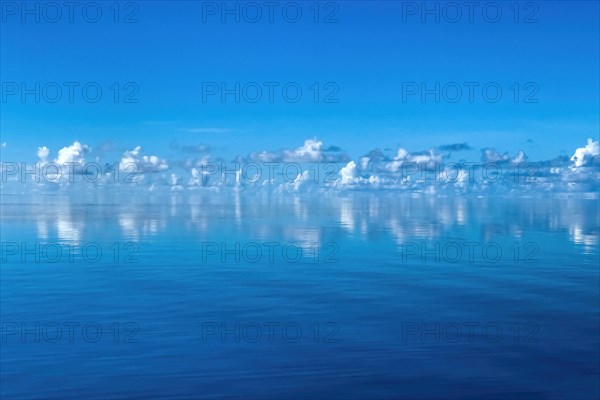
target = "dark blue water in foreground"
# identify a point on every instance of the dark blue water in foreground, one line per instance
(341, 296)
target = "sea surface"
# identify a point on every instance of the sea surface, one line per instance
(337, 296)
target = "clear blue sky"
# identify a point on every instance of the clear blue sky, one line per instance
(368, 53)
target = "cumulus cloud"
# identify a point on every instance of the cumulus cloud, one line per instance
(141, 163)
(425, 158)
(43, 153)
(519, 158)
(196, 179)
(73, 154)
(490, 155)
(175, 182)
(373, 158)
(588, 155)
(427, 171)
(349, 174)
(311, 151)
(300, 182)
(265, 156)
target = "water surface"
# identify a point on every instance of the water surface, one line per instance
(354, 295)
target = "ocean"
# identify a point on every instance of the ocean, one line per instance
(341, 295)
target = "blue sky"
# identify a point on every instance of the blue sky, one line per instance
(368, 54)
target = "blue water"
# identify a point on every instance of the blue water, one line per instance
(373, 298)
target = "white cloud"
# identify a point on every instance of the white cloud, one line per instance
(430, 172)
(265, 156)
(174, 181)
(43, 153)
(311, 151)
(196, 179)
(490, 155)
(141, 163)
(72, 154)
(301, 181)
(349, 174)
(586, 155)
(422, 158)
(519, 158)
(493, 156)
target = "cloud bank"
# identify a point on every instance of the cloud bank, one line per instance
(314, 167)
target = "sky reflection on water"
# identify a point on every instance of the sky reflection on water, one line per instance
(378, 294)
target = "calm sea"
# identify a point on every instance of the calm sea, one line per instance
(348, 295)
